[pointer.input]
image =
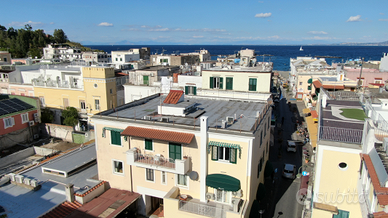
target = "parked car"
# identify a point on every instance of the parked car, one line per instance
(292, 145)
(289, 171)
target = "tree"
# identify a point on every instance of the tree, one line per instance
(70, 115)
(47, 116)
(60, 36)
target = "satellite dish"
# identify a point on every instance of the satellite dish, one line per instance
(193, 175)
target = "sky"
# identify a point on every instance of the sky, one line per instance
(211, 22)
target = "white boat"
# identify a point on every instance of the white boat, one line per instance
(301, 49)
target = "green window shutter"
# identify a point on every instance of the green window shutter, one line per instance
(186, 90)
(233, 155)
(252, 84)
(175, 151)
(229, 83)
(211, 82)
(214, 153)
(115, 137)
(221, 82)
(341, 214)
(194, 90)
(148, 144)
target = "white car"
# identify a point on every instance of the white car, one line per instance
(292, 145)
(289, 171)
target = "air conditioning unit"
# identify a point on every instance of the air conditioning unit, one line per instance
(152, 74)
(223, 124)
(35, 115)
(34, 183)
(19, 178)
(27, 181)
(230, 120)
(164, 119)
(210, 196)
(36, 136)
(31, 123)
(36, 119)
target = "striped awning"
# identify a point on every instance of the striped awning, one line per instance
(110, 128)
(224, 144)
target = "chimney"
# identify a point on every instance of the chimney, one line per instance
(69, 190)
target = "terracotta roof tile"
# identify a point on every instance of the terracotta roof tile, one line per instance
(317, 84)
(184, 138)
(62, 210)
(380, 214)
(381, 192)
(90, 190)
(173, 97)
(333, 86)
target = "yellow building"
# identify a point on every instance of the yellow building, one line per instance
(337, 161)
(90, 90)
(190, 155)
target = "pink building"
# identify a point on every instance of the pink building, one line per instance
(369, 77)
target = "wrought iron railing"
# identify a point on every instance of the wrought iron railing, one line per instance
(202, 209)
(155, 160)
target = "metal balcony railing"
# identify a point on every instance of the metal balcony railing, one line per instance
(155, 160)
(202, 209)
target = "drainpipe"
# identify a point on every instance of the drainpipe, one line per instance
(203, 173)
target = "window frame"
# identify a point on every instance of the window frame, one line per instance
(232, 152)
(229, 85)
(223, 193)
(24, 118)
(216, 82)
(150, 172)
(116, 140)
(8, 122)
(146, 141)
(182, 185)
(97, 104)
(163, 174)
(252, 87)
(114, 167)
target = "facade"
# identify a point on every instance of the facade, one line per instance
(369, 77)
(337, 159)
(122, 59)
(167, 148)
(174, 60)
(384, 63)
(5, 58)
(203, 55)
(96, 57)
(242, 79)
(61, 52)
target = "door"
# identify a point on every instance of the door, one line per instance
(145, 80)
(175, 151)
(229, 83)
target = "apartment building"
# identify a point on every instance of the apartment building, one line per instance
(337, 158)
(192, 156)
(96, 57)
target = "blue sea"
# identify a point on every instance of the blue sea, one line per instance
(279, 55)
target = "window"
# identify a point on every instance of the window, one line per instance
(164, 177)
(8, 122)
(97, 104)
(216, 82)
(145, 80)
(24, 117)
(110, 91)
(175, 151)
(115, 137)
(65, 102)
(341, 214)
(42, 100)
(116, 59)
(260, 167)
(95, 85)
(300, 83)
(261, 138)
(148, 144)
(118, 167)
(224, 154)
(229, 83)
(190, 90)
(181, 180)
(150, 175)
(252, 84)
(82, 104)
(222, 196)
(121, 59)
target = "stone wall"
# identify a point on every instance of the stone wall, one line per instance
(60, 131)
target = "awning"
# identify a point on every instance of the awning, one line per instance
(314, 114)
(224, 144)
(304, 185)
(306, 110)
(163, 135)
(110, 128)
(317, 84)
(310, 81)
(223, 182)
(312, 128)
(260, 195)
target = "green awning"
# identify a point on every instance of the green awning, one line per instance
(308, 87)
(223, 182)
(310, 81)
(224, 144)
(260, 195)
(110, 128)
(268, 169)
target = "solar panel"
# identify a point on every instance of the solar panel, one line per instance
(13, 105)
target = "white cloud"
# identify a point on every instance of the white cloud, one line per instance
(318, 32)
(383, 19)
(36, 24)
(354, 18)
(105, 24)
(263, 15)
(197, 37)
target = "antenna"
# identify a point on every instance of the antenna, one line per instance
(163, 50)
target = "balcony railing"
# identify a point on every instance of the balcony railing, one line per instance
(157, 162)
(216, 210)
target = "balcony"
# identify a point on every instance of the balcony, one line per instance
(157, 162)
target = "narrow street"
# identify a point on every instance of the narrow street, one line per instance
(284, 193)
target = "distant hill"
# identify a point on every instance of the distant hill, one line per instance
(364, 44)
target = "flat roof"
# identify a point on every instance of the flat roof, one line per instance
(216, 109)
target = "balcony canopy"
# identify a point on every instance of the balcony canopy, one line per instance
(226, 145)
(163, 135)
(223, 182)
